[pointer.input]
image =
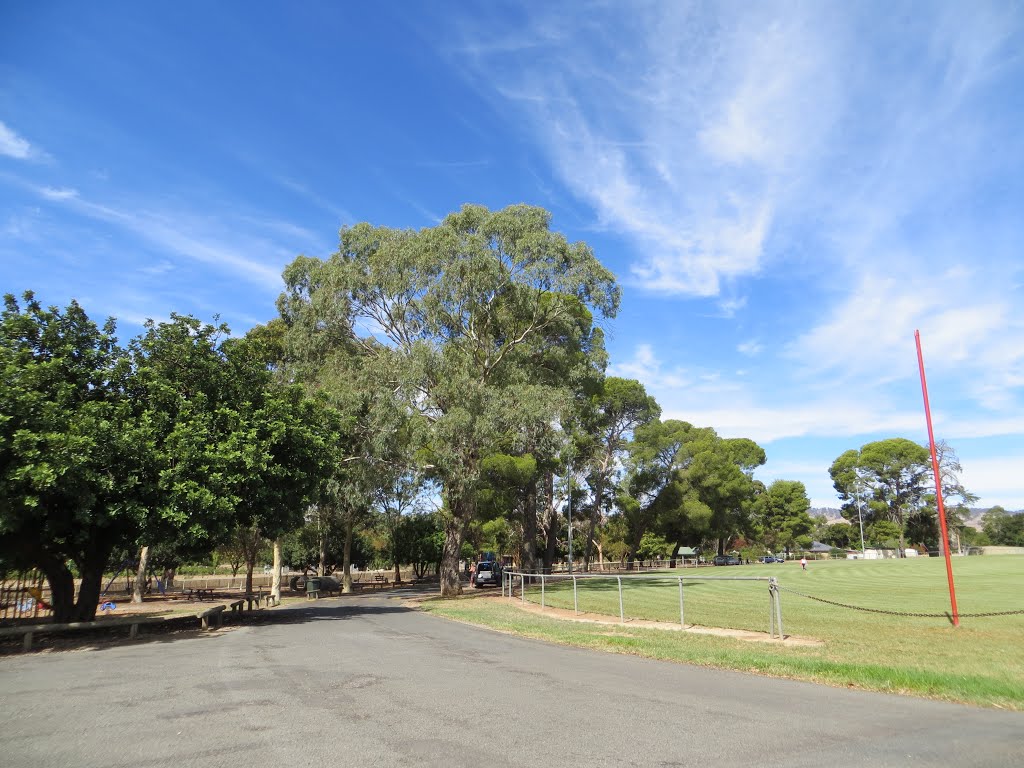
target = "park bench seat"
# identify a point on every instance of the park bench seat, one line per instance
(212, 616)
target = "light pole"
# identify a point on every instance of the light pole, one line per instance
(860, 517)
(570, 514)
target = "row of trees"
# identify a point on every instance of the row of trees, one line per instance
(179, 438)
(444, 388)
(888, 486)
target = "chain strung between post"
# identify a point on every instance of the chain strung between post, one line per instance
(990, 614)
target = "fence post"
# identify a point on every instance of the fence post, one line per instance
(774, 609)
(575, 602)
(682, 616)
(523, 588)
(622, 614)
(542, 589)
(778, 608)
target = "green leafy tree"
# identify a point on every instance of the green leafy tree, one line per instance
(782, 515)
(1002, 528)
(884, 533)
(77, 479)
(652, 546)
(841, 535)
(420, 541)
(894, 475)
(606, 428)
(718, 486)
(652, 490)
(460, 309)
(236, 448)
(508, 488)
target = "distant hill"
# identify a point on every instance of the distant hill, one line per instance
(834, 515)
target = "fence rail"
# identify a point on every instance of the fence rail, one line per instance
(509, 579)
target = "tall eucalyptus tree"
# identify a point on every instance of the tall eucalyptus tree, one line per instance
(452, 313)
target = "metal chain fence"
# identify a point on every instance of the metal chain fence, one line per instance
(989, 614)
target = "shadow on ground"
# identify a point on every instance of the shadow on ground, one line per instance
(185, 628)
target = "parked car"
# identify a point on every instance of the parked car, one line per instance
(488, 573)
(769, 559)
(727, 560)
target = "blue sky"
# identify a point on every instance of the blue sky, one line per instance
(786, 191)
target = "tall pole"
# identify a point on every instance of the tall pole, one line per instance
(570, 515)
(938, 481)
(860, 517)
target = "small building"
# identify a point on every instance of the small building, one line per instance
(688, 555)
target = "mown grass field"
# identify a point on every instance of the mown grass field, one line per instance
(980, 662)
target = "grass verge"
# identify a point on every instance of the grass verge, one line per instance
(981, 662)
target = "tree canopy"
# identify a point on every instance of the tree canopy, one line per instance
(182, 436)
(457, 314)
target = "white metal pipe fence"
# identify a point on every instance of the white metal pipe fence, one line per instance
(510, 579)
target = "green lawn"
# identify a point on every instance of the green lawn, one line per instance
(980, 662)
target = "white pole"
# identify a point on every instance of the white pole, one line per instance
(570, 514)
(860, 516)
(622, 615)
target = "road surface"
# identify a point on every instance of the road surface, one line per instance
(365, 681)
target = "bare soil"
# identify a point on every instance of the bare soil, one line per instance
(598, 618)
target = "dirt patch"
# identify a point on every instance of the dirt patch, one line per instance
(596, 618)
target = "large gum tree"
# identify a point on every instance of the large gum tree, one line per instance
(454, 311)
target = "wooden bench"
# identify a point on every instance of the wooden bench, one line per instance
(31, 630)
(236, 607)
(379, 581)
(212, 616)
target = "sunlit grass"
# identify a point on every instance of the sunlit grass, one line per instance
(980, 662)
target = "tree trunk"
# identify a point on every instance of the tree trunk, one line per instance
(595, 517)
(275, 580)
(140, 576)
(62, 587)
(92, 584)
(450, 584)
(346, 558)
(249, 566)
(595, 513)
(529, 551)
(321, 568)
(551, 522)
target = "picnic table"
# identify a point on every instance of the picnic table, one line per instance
(201, 592)
(379, 580)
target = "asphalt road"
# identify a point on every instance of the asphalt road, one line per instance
(363, 681)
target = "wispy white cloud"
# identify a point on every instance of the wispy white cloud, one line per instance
(13, 145)
(184, 234)
(682, 130)
(338, 212)
(832, 146)
(749, 348)
(58, 193)
(745, 408)
(999, 477)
